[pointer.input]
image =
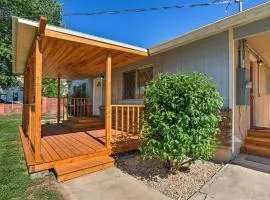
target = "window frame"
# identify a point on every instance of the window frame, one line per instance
(136, 81)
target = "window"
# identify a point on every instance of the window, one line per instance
(135, 81)
(15, 96)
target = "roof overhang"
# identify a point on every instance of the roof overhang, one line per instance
(63, 49)
(253, 14)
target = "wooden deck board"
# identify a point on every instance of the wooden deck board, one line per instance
(75, 150)
(79, 144)
(90, 144)
(60, 145)
(45, 154)
(54, 155)
(56, 147)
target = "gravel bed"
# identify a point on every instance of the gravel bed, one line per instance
(180, 186)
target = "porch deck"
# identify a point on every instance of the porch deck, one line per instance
(61, 144)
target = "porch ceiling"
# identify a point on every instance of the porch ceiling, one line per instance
(70, 54)
(261, 45)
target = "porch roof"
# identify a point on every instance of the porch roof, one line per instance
(70, 54)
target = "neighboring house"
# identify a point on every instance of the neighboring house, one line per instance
(12, 95)
(233, 51)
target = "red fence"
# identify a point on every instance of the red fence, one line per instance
(49, 106)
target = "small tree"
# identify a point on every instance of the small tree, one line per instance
(181, 118)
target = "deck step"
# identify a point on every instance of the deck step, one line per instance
(84, 122)
(86, 119)
(259, 133)
(258, 141)
(76, 169)
(84, 125)
(256, 150)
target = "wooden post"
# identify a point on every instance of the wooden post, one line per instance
(58, 99)
(108, 111)
(38, 86)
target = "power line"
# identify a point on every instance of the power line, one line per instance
(216, 2)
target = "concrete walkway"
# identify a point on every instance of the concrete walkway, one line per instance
(109, 184)
(235, 182)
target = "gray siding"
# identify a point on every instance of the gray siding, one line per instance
(252, 29)
(209, 55)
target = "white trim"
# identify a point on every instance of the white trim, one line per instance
(253, 14)
(231, 81)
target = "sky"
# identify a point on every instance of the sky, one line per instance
(144, 29)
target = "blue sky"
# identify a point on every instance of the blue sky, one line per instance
(145, 29)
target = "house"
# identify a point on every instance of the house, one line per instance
(234, 51)
(11, 95)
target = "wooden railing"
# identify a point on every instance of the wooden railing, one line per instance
(77, 107)
(29, 123)
(127, 119)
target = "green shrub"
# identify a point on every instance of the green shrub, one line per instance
(182, 112)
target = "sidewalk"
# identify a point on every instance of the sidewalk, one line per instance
(236, 183)
(109, 184)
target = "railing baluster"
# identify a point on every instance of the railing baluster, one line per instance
(138, 119)
(127, 119)
(78, 107)
(122, 120)
(84, 107)
(74, 107)
(116, 122)
(88, 106)
(133, 118)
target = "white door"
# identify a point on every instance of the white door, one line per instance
(97, 96)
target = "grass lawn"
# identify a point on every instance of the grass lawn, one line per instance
(15, 183)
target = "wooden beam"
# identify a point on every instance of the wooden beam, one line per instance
(58, 99)
(40, 32)
(108, 111)
(38, 86)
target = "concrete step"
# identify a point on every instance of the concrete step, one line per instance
(76, 169)
(254, 149)
(253, 162)
(258, 141)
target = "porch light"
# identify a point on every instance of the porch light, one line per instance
(260, 63)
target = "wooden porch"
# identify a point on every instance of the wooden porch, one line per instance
(64, 145)
(44, 51)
